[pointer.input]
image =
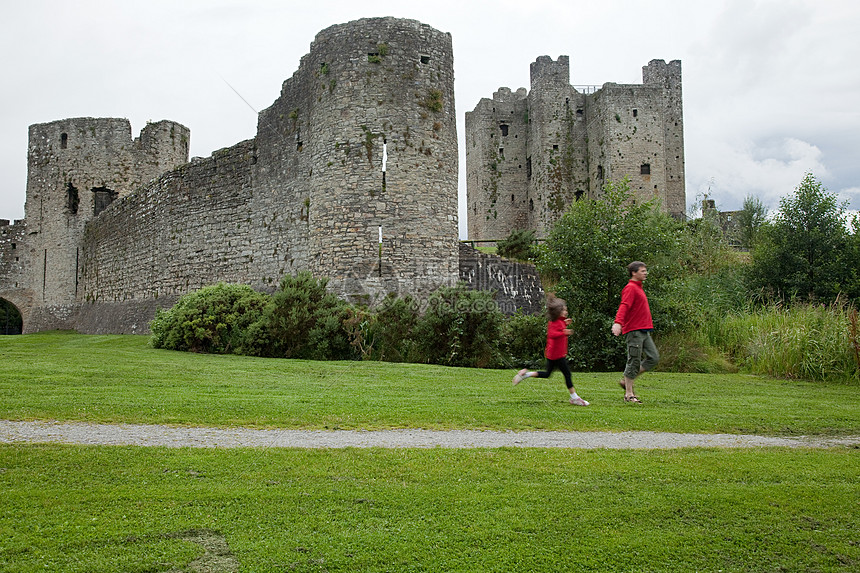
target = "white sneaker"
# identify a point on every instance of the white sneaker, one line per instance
(578, 401)
(519, 377)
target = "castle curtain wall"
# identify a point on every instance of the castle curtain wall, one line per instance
(307, 193)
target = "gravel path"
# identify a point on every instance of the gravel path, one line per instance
(196, 437)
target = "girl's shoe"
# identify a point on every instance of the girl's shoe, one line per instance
(578, 401)
(519, 377)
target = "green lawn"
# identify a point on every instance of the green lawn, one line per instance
(132, 509)
(64, 377)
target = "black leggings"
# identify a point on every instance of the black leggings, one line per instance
(561, 364)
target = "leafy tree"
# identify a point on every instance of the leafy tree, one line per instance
(585, 258)
(751, 217)
(518, 245)
(804, 252)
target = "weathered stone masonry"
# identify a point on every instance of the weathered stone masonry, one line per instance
(361, 144)
(352, 175)
(530, 154)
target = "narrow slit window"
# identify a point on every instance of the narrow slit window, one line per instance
(425, 59)
(384, 165)
(64, 140)
(72, 199)
(504, 129)
(645, 169)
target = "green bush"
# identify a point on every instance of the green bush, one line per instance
(213, 319)
(524, 337)
(394, 329)
(302, 320)
(460, 327)
(519, 245)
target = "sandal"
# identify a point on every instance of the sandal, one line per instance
(634, 399)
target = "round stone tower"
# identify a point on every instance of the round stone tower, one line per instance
(368, 121)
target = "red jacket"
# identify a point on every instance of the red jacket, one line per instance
(556, 340)
(634, 312)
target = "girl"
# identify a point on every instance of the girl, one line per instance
(557, 332)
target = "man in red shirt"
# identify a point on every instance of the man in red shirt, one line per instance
(633, 320)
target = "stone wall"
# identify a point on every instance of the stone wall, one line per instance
(516, 285)
(352, 175)
(14, 280)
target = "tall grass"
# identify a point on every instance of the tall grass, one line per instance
(802, 341)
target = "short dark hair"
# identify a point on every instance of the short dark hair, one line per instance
(554, 308)
(634, 266)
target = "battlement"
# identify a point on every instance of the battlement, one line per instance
(544, 69)
(658, 72)
(506, 95)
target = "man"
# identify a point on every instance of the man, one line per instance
(633, 320)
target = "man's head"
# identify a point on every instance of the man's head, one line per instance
(637, 271)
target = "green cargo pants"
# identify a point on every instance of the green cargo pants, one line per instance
(640, 345)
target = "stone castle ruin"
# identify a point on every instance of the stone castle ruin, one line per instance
(530, 154)
(352, 175)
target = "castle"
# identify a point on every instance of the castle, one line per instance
(352, 175)
(530, 154)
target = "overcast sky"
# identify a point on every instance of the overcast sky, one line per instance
(771, 87)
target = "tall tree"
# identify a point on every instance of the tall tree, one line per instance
(803, 252)
(584, 261)
(751, 217)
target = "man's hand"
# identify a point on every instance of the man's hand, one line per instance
(616, 329)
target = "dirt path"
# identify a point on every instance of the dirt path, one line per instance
(196, 437)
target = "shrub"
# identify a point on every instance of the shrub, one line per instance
(303, 320)
(394, 329)
(518, 246)
(212, 319)
(524, 337)
(461, 327)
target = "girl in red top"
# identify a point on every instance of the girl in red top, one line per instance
(557, 332)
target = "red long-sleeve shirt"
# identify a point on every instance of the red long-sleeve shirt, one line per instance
(634, 312)
(556, 339)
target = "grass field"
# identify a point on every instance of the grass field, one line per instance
(82, 508)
